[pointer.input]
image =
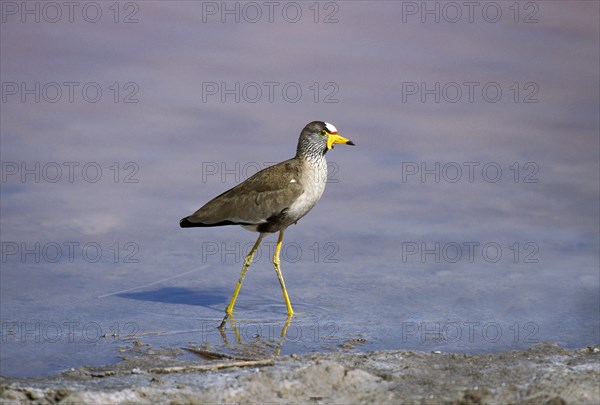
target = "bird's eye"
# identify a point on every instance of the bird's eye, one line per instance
(322, 132)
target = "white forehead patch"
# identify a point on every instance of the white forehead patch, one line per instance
(331, 128)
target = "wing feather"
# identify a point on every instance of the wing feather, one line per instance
(262, 196)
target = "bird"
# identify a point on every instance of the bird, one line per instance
(274, 198)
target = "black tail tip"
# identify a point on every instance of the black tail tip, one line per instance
(185, 223)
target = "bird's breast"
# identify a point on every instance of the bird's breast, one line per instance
(313, 180)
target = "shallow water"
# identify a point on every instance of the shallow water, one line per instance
(455, 224)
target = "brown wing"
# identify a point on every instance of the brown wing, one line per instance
(262, 196)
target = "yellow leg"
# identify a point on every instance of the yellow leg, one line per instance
(247, 262)
(276, 263)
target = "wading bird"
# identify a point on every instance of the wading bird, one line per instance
(274, 198)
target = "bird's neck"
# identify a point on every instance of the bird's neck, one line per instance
(312, 159)
(307, 150)
(314, 170)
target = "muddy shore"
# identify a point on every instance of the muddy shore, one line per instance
(543, 374)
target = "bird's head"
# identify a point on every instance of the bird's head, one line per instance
(318, 137)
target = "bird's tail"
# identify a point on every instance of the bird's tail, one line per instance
(186, 223)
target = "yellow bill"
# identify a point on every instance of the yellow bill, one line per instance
(332, 139)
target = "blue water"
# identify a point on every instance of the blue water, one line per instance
(465, 219)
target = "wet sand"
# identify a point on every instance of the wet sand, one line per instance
(543, 374)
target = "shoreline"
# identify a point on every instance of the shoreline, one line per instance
(544, 373)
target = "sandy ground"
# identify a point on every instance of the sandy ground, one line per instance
(543, 374)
